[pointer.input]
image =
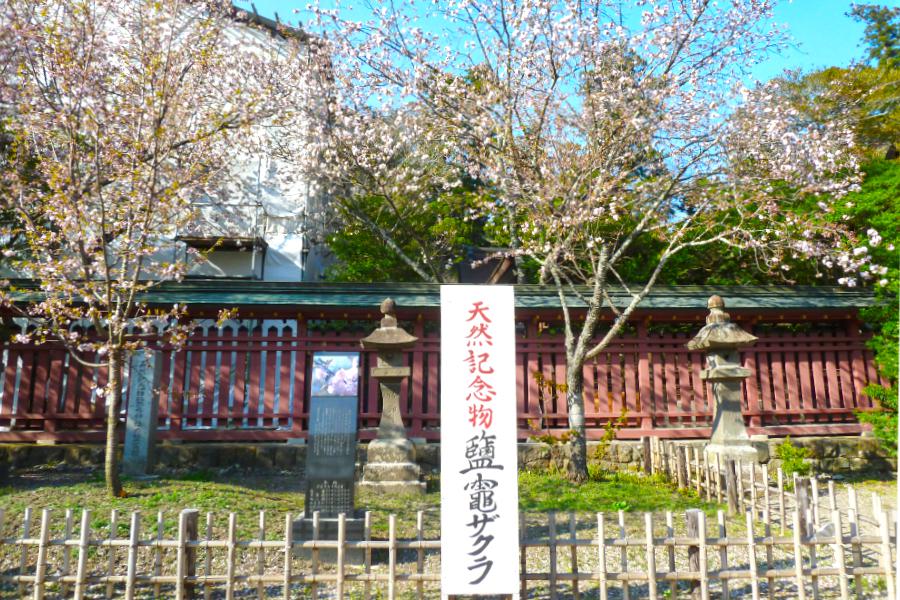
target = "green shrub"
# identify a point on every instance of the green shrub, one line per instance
(793, 458)
(883, 420)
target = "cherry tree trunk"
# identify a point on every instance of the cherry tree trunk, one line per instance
(113, 397)
(575, 402)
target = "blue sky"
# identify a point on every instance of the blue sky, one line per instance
(823, 34)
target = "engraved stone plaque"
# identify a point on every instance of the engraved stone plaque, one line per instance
(140, 421)
(331, 453)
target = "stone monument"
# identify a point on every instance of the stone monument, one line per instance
(721, 339)
(331, 461)
(138, 455)
(391, 464)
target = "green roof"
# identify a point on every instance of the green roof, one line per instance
(425, 295)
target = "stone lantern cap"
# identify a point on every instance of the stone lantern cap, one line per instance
(719, 332)
(389, 336)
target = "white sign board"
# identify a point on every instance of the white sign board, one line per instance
(479, 489)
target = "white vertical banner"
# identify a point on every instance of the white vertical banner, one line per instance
(479, 489)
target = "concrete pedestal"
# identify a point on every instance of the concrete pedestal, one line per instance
(354, 531)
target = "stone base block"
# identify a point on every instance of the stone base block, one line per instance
(328, 531)
(394, 487)
(391, 451)
(391, 471)
(745, 452)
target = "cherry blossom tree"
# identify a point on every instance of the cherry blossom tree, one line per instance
(598, 126)
(128, 112)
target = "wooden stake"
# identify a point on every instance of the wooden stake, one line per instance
(157, 552)
(523, 557)
(780, 474)
(551, 525)
(392, 557)
(651, 556)
(230, 548)
(623, 556)
(855, 546)
(573, 535)
(367, 535)
(723, 552)
(111, 551)
(731, 486)
(314, 555)
(207, 556)
(40, 568)
(133, 538)
(692, 520)
(798, 556)
(66, 552)
(839, 560)
(288, 554)
(885, 558)
(261, 558)
(23, 557)
(601, 558)
(342, 540)
(84, 538)
(751, 555)
(670, 551)
(770, 587)
(420, 553)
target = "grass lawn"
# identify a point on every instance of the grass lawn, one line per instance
(277, 495)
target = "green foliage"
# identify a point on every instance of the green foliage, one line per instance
(884, 420)
(882, 34)
(794, 459)
(610, 430)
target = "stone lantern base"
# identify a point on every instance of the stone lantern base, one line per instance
(391, 467)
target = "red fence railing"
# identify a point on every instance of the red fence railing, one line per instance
(249, 381)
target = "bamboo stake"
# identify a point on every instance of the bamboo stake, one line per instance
(723, 552)
(111, 553)
(753, 489)
(40, 569)
(885, 558)
(573, 553)
(180, 560)
(770, 586)
(651, 556)
(314, 555)
(66, 551)
(83, 541)
(692, 522)
(718, 478)
(704, 567)
(133, 538)
(392, 557)
(420, 554)
(523, 557)
(855, 546)
(551, 525)
(739, 473)
(342, 540)
(288, 554)
(831, 498)
(814, 482)
(839, 560)
(765, 484)
(230, 547)
(23, 557)
(670, 550)
(751, 555)
(706, 473)
(697, 468)
(601, 558)
(261, 557)
(207, 556)
(157, 552)
(367, 535)
(798, 555)
(780, 474)
(623, 556)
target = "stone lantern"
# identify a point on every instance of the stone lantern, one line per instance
(391, 464)
(721, 339)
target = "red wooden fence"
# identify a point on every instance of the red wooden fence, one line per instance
(248, 381)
